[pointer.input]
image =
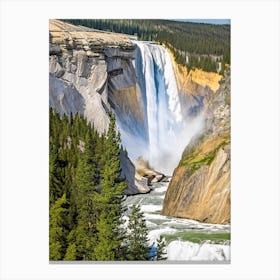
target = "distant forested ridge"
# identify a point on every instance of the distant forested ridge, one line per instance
(196, 45)
(86, 194)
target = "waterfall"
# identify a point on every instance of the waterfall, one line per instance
(166, 130)
(158, 85)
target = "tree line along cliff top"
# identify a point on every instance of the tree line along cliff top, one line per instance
(65, 33)
(195, 45)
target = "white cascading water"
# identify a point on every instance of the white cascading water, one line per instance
(179, 250)
(168, 133)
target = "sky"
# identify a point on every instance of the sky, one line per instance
(211, 21)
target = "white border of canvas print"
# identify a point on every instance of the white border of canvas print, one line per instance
(24, 138)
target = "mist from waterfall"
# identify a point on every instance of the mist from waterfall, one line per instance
(168, 132)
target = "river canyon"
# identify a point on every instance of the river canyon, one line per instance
(177, 120)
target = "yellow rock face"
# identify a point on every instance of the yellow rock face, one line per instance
(203, 195)
(194, 81)
(204, 79)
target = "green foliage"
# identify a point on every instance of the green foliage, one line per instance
(72, 160)
(109, 201)
(70, 253)
(87, 194)
(107, 244)
(85, 175)
(55, 250)
(85, 241)
(58, 231)
(193, 158)
(204, 44)
(55, 180)
(161, 249)
(195, 164)
(137, 239)
(86, 191)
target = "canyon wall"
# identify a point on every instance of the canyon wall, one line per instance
(91, 73)
(200, 186)
(86, 68)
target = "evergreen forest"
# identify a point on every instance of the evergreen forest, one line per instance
(195, 45)
(86, 194)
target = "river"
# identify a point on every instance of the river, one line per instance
(180, 231)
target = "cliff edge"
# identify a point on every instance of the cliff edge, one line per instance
(91, 73)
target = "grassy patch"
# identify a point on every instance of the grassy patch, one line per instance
(196, 158)
(198, 237)
(195, 161)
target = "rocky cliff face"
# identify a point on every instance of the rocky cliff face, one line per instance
(200, 187)
(196, 88)
(86, 68)
(91, 72)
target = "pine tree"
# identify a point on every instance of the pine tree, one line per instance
(85, 176)
(106, 247)
(55, 189)
(70, 252)
(89, 177)
(161, 249)
(57, 230)
(109, 201)
(86, 215)
(137, 239)
(55, 172)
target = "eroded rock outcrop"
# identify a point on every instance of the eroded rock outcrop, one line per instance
(91, 73)
(146, 172)
(200, 186)
(87, 61)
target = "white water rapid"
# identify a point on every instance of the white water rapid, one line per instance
(178, 249)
